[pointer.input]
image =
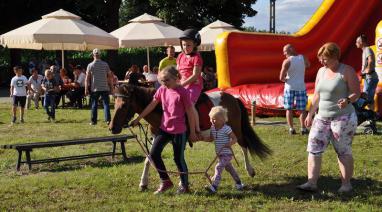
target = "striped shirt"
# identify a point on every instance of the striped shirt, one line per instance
(221, 137)
(98, 70)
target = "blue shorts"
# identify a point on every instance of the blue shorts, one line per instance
(290, 96)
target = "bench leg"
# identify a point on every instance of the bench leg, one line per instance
(19, 160)
(28, 156)
(113, 152)
(123, 151)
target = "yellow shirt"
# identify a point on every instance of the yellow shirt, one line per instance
(167, 62)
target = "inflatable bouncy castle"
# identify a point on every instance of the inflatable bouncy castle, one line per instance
(248, 64)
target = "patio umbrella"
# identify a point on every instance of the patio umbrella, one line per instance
(59, 30)
(211, 31)
(147, 31)
(209, 34)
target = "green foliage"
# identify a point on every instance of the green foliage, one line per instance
(132, 8)
(106, 185)
(198, 13)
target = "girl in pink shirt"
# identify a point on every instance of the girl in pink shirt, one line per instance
(176, 103)
(190, 65)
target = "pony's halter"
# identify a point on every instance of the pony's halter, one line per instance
(121, 95)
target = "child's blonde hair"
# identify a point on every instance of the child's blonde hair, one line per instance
(219, 110)
(171, 71)
(47, 72)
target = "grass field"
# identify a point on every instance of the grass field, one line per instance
(105, 185)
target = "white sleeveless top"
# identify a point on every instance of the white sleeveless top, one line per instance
(296, 73)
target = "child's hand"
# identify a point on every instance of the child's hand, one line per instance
(193, 137)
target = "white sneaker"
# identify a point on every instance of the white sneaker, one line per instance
(239, 186)
(307, 187)
(345, 188)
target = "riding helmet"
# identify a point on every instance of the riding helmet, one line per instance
(191, 34)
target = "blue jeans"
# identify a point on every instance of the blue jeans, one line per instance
(50, 101)
(94, 96)
(369, 86)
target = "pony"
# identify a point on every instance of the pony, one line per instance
(131, 100)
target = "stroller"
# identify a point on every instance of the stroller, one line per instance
(365, 116)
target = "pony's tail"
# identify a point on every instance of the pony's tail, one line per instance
(253, 142)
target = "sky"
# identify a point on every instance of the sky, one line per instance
(291, 15)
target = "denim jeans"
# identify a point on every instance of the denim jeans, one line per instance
(369, 86)
(94, 96)
(49, 101)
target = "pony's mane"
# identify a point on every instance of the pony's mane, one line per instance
(144, 96)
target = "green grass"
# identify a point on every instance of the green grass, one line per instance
(105, 185)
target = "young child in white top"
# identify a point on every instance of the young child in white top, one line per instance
(224, 138)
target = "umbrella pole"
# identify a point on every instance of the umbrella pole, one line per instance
(148, 58)
(62, 58)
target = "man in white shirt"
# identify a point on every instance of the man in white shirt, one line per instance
(35, 92)
(293, 73)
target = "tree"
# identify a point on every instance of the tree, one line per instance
(198, 13)
(102, 13)
(132, 8)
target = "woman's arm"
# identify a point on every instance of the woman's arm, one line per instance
(353, 85)
(315, 101)
(195, 75)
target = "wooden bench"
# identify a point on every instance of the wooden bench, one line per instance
(28, 147)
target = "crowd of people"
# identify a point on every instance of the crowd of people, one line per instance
(179, 83)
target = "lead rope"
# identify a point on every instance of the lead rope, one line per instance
(146, 152)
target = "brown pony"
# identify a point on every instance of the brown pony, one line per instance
(133, 99)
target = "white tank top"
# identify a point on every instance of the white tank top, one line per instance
(296, 74)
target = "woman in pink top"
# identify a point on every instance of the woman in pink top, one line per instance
(190, 65)
(175, 104)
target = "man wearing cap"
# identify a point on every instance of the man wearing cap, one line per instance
(98, 83)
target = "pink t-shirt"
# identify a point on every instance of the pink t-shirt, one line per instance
(174, 103)
(186, 65)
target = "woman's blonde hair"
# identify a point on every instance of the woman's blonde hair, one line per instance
(219, 110)
(330, 50)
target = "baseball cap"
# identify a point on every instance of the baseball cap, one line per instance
(96, 52)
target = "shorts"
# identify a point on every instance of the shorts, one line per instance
(338, 130)
(290, 96)
(19, 101)
(194, 91)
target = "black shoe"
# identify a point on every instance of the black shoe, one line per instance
(292, 131)
(13, 120)
(92, 123)
(305, 132)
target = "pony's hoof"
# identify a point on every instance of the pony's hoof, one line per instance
(252, 173)
(143, 188)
